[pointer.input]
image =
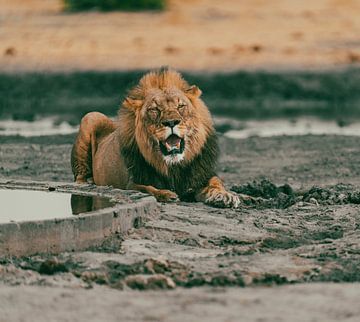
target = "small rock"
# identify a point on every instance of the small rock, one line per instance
(342, 197)
(314, 201)
(97, 277)
(157, 265)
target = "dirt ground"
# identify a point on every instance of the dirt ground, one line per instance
(222, 35)
(297, 303)
(293, 234)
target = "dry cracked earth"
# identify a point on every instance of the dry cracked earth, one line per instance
(291, 254)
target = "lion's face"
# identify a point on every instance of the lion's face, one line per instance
(168, 119)
(171, 122)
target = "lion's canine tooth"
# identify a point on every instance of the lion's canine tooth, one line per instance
(168, 146)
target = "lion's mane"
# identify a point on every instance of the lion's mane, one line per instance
(144, 165)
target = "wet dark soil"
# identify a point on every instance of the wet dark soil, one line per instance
(267, 195)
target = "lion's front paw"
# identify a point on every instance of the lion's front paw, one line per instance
(83, 180)
(166, 196)
(222, 199)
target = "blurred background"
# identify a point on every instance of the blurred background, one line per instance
(265, 67)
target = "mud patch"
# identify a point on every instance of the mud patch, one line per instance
(333, 232)
(337, 195)
(149, 274)
(267, 193)
(152, 273)
(228, 241)
(281, 243)
(343, 271)
(217, 280)
(43, 264)
(271, 279)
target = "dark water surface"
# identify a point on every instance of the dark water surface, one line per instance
(26, 205)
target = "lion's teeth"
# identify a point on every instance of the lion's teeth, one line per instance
(178, 145)
(168, 146)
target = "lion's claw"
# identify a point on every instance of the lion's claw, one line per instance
(166, 196)
(223, 199)
(249, 200)
(83, 180)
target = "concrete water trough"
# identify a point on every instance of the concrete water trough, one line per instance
(51, 217)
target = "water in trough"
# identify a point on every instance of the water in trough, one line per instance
(29, 205)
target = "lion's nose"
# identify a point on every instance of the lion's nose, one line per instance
(170, 123)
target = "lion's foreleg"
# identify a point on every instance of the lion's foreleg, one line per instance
(81, 161)
(216, 195)
(161, 195)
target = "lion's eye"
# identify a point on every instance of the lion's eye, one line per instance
(181, 106)
(153, 113)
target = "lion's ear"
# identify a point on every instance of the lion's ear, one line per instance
(193, 90)
(132, 104)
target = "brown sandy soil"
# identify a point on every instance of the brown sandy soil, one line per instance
(299, 303)
(190, 34)
(316, 239)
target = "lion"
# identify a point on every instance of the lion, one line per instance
(163, 143)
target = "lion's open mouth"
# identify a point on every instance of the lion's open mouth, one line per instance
(172, 145)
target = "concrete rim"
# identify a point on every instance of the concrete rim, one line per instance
(78, 232)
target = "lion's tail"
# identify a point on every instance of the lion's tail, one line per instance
(93, 127)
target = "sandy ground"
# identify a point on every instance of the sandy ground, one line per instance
(324, 302)
(209, 255)
(189, 35)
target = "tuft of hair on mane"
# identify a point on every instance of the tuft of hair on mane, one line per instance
(165, 77)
